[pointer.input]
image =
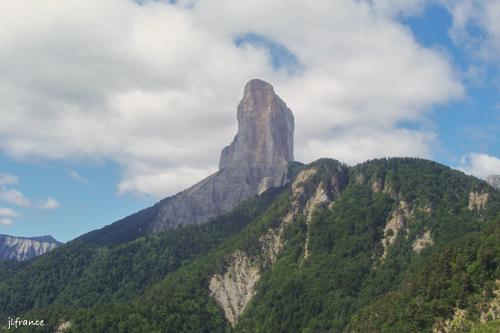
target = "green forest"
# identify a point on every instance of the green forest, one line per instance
(390, 245)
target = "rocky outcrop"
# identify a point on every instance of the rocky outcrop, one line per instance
(308, 194)
(378, 185)
(478, 200)
(302, 203)
(422, 242)
(300, 182)
(63, 326)
(494, 180)
(396, 224)
(256, 160)
(23, 248)
(272, 243)
(236, 287)
(320, 198)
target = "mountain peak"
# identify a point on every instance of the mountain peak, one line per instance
(265, 130)
(256, 87)
(256, 160)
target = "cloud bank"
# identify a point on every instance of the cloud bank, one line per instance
(154, 87)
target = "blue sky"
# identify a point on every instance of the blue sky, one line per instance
(472, 123)
(109, 107)
(87, 198)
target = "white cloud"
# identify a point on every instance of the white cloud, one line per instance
(476, 26)
(155, 87)
(354, 147)
(480, 165)
(49, 204)
(7, 212)
(14, 197)
(5, 221)
(159, 181)
(8, 179)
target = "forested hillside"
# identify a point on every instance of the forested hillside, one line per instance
(391, 245)
(83, 274)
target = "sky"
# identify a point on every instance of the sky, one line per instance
(108, 106)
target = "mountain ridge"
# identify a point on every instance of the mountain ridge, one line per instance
(24, 248)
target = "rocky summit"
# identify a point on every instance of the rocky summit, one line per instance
(494, 180)
(261, 150)
(256, 160)
(23, 248)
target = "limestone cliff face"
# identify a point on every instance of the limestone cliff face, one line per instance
(264, 144)
(21, 248)
(256, 160)
(234, 290)
(397, 223)
(478, 200)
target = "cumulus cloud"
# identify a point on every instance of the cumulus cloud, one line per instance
(49, 204)
(154, 87)
(14, 197)
(480, 165)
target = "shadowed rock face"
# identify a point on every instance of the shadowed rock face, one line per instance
(22, 248)
(256, 160)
